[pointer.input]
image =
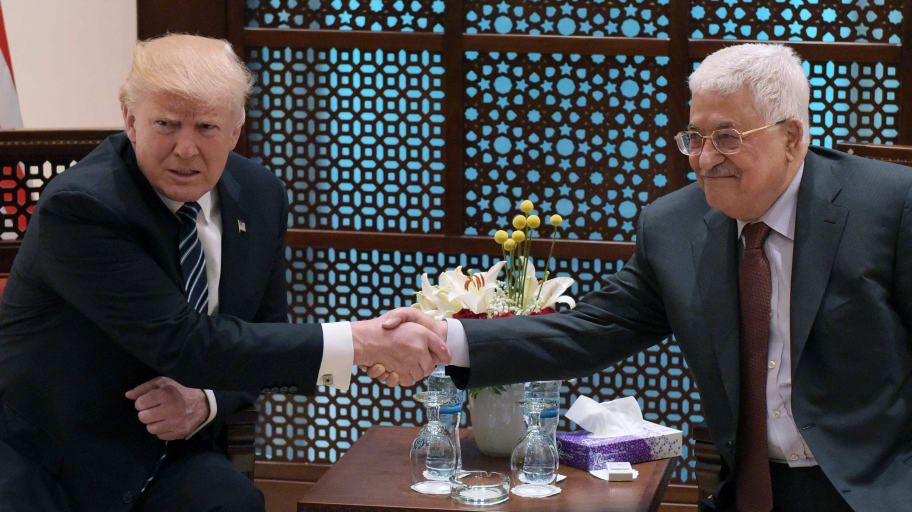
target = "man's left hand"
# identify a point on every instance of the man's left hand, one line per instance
(168, 409)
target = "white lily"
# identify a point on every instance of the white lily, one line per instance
(456, 291)
(546, 294)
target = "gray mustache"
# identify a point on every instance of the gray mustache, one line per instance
(717, 171)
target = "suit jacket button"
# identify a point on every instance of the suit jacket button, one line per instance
(128, 497)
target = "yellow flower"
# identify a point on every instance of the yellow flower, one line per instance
(509, 245)
(556, 220)
(519, 237)
(501, 236)
(533, 221)
(526, 206)
(519, 221)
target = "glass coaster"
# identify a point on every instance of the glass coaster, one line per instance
(432, 487)
(480, 487)
(535, 491)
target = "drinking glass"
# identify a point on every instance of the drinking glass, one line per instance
(433, 456)
(534, 459)
(549, 391)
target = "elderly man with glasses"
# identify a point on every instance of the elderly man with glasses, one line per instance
(784, 273)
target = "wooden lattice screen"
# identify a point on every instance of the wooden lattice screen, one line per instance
(430, 121)
(408, 131)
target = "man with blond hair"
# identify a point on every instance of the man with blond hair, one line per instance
(148, 300)
(785, 275)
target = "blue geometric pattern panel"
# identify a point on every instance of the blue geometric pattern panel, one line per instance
(333, 285)
(876, 21)
(374, 15)
(630, 18)
(357, 136)
(852, 101)
(584, 136)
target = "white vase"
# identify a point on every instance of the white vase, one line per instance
(497, 420)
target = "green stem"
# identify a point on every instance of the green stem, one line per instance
(509, 272)
(548, 261)
(525, 269)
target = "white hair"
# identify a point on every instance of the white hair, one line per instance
(772, 73)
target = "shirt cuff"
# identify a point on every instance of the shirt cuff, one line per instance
(213, 410)
(338, 356)
(457, 344)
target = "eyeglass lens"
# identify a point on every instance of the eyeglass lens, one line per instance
(726, 140)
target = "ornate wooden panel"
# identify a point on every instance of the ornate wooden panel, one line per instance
(581, 136)
(363, 136)
(833, 21)
(402, 15)
(582, 133)
(852, 101)
(28, 161)
(631, 18)
(356, 135)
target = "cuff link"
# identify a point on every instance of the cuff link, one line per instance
(326, 380)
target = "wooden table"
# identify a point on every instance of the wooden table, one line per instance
(374, 475)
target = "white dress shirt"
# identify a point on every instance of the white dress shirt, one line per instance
(785, 441)
(338, 352)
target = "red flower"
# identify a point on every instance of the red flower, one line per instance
(544, 311)
(502, 315)
(467, 313)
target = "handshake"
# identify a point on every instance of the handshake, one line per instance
(401, 347)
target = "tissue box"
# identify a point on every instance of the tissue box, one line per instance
(582, 450)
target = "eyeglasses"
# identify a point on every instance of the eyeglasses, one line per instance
(726, 140)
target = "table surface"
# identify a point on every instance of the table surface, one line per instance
(374, 475)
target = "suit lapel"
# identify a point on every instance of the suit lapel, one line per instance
(716, 260)
(156, 219)
(819, 224)
(235, 244)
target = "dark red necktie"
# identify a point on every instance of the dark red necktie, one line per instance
(753, 487)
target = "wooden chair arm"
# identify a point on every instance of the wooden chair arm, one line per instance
(240, 431)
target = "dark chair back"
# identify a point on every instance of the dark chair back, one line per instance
(891, 153)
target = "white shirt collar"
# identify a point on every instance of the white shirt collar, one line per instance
(781, 215)
(206, 202)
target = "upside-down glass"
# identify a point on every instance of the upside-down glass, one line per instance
(534, 459)
(433, 456)
(726, 140)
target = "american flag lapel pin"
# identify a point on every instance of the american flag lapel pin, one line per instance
(242, 227)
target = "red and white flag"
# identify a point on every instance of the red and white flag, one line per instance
(10, 116)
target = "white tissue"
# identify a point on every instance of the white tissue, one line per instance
(607, 419)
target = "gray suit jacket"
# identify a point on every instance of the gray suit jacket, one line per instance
(851, 314)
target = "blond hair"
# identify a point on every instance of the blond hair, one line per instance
(203, 70)
(773, 73)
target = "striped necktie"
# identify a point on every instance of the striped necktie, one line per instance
(192, 259)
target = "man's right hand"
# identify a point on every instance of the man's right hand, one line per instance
(393, 319)
(411, 350)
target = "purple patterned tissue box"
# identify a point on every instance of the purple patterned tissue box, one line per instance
(582, 450)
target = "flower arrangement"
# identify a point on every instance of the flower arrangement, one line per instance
(482, 295)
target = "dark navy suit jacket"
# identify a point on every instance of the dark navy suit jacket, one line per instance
(94, 306)
(851, 315)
